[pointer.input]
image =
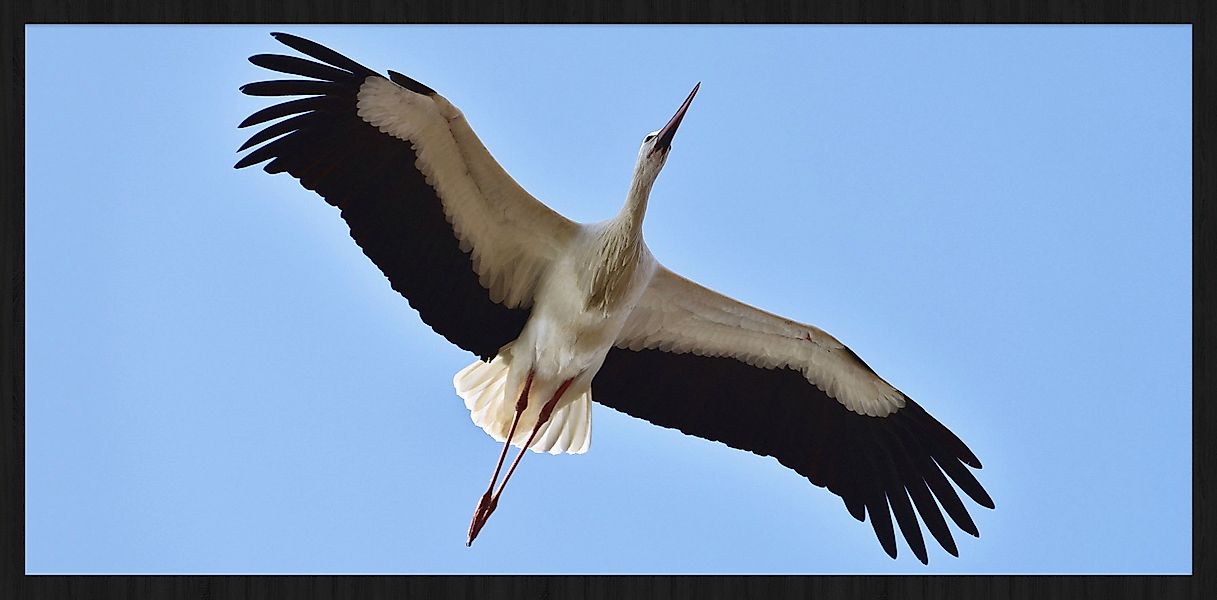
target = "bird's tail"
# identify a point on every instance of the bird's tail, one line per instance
(484, 388)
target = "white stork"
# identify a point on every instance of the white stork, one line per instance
(556, 309)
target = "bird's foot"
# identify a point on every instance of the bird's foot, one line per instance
(485, 507)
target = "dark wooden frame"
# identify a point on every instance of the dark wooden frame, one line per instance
(15, 584)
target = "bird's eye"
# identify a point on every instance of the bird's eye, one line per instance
(650, 136)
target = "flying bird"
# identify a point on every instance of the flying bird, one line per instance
(561, 313)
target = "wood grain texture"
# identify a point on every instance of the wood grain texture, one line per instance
(13, 584)
(12, 306)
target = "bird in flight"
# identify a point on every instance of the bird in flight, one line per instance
(561, 313)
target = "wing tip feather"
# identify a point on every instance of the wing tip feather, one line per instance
(411, 84)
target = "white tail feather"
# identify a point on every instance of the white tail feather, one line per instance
(483, 387)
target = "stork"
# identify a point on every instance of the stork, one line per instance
(560, 313)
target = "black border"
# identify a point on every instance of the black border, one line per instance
(15, 584)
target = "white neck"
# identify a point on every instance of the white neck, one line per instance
(620, 246)
(631, 215)
(646, 170)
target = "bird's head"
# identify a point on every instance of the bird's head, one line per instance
(657, 144)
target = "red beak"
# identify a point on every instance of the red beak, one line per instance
(669, 131)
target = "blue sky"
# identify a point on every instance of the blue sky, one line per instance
(997, 219)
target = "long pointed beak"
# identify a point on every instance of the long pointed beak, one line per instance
(669, 131)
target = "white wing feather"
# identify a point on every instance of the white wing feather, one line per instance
(677, 315)
(512, 235)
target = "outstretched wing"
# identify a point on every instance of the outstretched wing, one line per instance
(454, 234)
(692, 359)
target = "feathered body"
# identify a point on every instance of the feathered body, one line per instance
(579, 309)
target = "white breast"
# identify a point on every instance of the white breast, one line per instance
(565, 336)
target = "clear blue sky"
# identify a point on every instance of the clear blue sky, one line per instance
(998, 219)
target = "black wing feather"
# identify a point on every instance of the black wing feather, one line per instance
(301, 121)
(914, 482)
(323, 54)
(394, 215)
(292, 107)
(294, 65)
(292, 87)
(875, 464)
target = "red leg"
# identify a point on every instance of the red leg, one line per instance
(546, 412)
(480, 517)
(487, 504)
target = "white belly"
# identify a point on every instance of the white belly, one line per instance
(562, 341)
(565, 339)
